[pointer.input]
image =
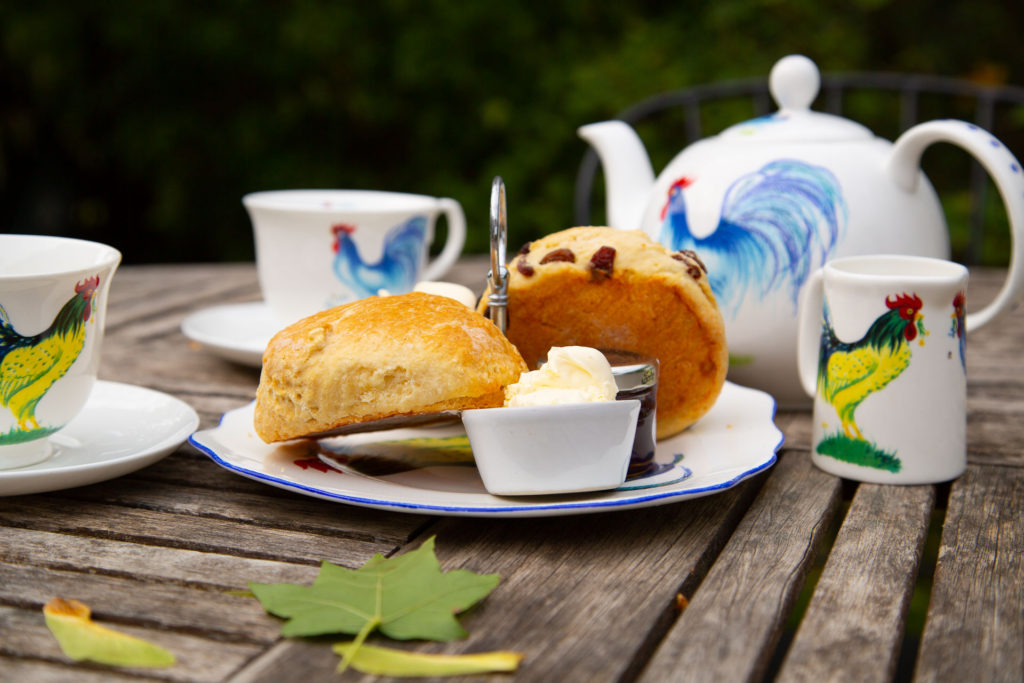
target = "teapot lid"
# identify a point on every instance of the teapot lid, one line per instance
(794, 83)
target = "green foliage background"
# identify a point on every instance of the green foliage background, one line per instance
(142, 124)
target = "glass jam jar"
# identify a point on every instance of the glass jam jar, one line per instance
(636, 376)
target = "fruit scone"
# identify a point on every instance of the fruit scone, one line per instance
(619, 289)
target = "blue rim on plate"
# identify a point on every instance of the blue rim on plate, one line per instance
(736, 440)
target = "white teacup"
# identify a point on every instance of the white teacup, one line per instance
(881, 348)
(53, 300)
(320, 248)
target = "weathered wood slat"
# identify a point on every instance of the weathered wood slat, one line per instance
(299, 660)
(272, 508)
(43, 672)
(173, 365)
(144, 344)
(25, 637)
(188, 467)
(153, 604)
(975, 624)
(135, 288)
(570, 586)
(995, 368)
(143, 291)
(211, 570)
(729, 630)
(172, 530)
(853, 627)
(993, 430)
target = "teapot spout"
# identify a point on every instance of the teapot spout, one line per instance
(629, 178)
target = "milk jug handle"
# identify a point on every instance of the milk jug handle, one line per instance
(810, 316)
(904, 169)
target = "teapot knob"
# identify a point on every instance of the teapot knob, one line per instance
(794, 82)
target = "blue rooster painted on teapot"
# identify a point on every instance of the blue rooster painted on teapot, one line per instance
(770, 200)
(775, 223)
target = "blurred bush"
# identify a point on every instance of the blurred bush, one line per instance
(143, 124)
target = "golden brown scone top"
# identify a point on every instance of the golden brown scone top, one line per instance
(381, 357)
(619, 289)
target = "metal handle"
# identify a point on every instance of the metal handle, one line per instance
(497, 300)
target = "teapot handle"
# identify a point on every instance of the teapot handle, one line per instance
(1005, 170)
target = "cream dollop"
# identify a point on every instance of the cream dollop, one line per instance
(572, 374)
(464, 295)
(460, 293)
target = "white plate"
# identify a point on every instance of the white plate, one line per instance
(122, 428)
(235, 332)
(432, 470)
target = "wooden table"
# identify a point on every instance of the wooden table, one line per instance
(794, 574)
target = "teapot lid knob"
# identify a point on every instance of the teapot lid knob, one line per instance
(794, 82)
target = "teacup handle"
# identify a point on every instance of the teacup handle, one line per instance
(1004, 169)
(453, 245)
(808, 339)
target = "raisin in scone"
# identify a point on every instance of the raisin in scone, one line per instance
(381, 357)
(619, 289)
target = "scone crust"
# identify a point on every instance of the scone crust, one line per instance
(381, 357)
(653, 301)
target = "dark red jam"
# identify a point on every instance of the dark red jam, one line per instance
(636, 376)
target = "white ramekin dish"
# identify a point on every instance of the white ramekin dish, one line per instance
(552, 449)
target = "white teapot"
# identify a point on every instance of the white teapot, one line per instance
(768, 201)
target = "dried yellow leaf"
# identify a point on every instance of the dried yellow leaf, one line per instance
(70, 622)
(385, 661)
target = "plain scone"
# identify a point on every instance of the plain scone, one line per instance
(619, 289)
(381, 357)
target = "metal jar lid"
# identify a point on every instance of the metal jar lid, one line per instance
(632, 371)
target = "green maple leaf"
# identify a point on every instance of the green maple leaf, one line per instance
(405, 597)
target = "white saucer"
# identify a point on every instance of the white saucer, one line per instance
(431, 471)
(235, 332)
(121, 429)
